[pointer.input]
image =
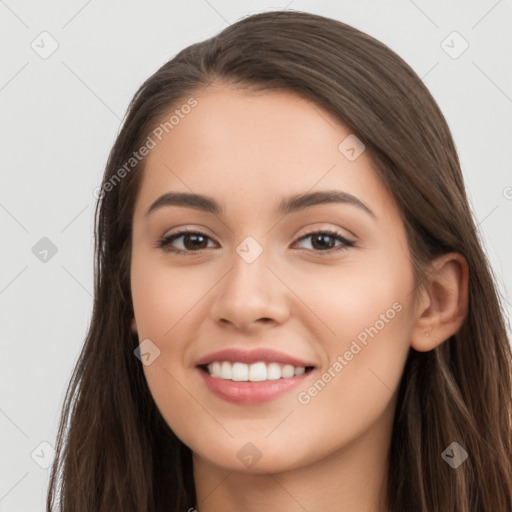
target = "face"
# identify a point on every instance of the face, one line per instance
(301, 309)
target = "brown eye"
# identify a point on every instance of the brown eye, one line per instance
(192, 241)
(322, 242)
(325, 241)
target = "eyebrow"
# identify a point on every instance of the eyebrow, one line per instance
(287, 205)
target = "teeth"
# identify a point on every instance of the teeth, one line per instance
(255, 372)
(225, 371)
(273, 371)
(287, 371)
(240, 372)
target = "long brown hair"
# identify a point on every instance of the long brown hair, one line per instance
(114, 450)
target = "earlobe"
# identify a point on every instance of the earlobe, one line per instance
(444, 301)
(134, 325)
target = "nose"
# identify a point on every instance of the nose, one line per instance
(251, 296)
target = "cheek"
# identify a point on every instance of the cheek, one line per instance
(166, 304)
(361, 299)
(356, 389)
(163, 296)
(366, 307)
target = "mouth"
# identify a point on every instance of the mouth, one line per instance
(252, 377)
(255, 372)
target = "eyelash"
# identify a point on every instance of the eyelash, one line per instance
(165, 242)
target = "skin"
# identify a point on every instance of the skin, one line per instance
(248, 151)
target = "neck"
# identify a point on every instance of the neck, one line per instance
(353, 478)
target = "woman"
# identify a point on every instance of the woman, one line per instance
(292, 308)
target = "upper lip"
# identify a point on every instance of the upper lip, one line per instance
(252, 356)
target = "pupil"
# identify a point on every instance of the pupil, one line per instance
(193, 245)
(322, 238)
(321, 241)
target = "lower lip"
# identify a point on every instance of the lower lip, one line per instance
(250, 392)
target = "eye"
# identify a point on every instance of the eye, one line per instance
(322, 242)
(193, 241)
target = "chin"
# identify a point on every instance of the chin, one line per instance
(255, 458)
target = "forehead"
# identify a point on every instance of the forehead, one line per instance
(250, 149)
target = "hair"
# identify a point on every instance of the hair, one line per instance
(115, 452)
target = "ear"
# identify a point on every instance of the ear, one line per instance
(443, 304)
(134, 325)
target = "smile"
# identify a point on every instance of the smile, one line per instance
(255, 376)
(256, 372)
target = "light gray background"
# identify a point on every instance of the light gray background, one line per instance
(60, 116)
